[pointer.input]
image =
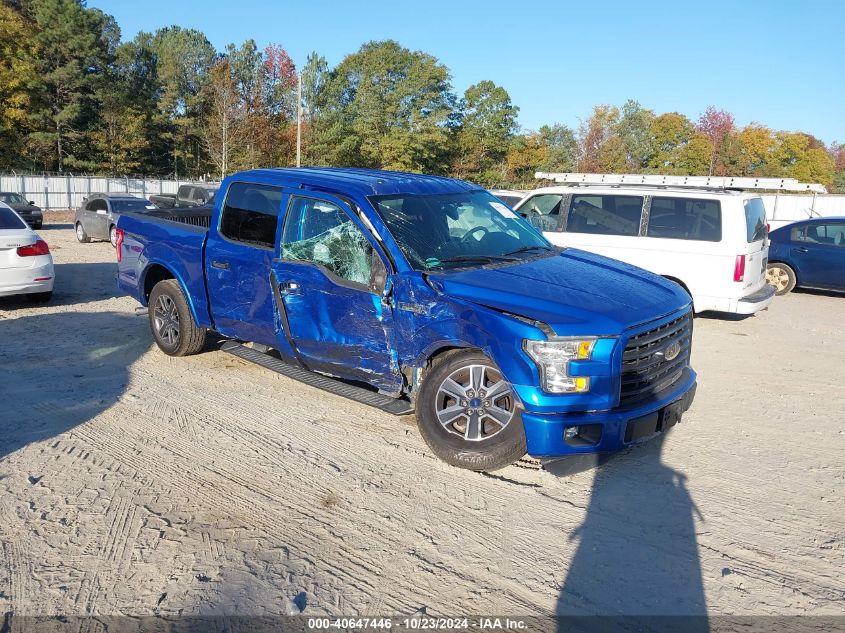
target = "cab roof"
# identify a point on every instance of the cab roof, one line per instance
(367, 182)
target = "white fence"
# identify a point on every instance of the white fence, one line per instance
(67, 192)
(784, 209)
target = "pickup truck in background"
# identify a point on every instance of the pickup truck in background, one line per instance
(186, 196)
(430, 293)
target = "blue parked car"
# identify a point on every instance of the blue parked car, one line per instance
(419, 294)
(808, 254)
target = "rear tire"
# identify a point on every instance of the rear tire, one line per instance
(489, 438)
(113, 235)
(39, 297)
(171, 322)
(782, 277)
(81, 235)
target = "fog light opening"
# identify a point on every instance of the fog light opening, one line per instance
(582, 435)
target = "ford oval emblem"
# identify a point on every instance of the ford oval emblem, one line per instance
(672, 351)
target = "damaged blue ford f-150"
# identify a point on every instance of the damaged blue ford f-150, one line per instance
(419, 293)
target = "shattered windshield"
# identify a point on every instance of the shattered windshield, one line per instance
(456, 230)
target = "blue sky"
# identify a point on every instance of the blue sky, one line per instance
(781, 64)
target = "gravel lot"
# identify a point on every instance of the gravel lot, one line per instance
(135, 483)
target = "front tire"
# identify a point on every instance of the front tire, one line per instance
(781, 276)
(171, 322)
(81, 235)
(468, 414)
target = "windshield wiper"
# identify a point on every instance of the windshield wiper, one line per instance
(483, 259)
(525, 249)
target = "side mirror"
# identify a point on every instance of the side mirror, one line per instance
(31, 202)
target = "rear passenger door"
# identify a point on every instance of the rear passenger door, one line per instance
(238, 260)
(97, 225)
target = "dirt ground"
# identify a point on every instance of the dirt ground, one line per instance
(135, 483)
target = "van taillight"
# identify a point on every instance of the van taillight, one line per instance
(739, 268)
(33, 250)
(118, 243)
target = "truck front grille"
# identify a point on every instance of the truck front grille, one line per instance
(645, 367)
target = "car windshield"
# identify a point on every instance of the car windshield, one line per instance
(129, 204)
(454, 230)
(12, 198)
(9, 219)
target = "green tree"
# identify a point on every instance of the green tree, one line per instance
(692, 158)
(669, 133)
(562, 147)
(184, 58)
(488, 122)
(18, 74)
(75, 46)
(315, 75)
(634, 129)
(798, 155)
(387, 107)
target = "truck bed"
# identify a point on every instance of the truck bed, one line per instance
(167, 243)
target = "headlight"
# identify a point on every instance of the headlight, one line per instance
(552, 358)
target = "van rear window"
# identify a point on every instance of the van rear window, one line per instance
(755, 219)
(685, 219)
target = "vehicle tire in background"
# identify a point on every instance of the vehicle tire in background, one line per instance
(113, 236)
(781, 276)
(171, 321)
(39, 297)
(468, 414)
(81, 235)
(37, 227)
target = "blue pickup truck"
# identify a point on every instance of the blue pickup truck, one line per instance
(419, 294)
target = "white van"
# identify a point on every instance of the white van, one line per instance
(713, 242)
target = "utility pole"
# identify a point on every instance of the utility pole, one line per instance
(299, 119)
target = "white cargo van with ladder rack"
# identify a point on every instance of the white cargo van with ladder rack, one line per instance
(708, 234)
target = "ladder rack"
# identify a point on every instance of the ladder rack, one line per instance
(700, 182)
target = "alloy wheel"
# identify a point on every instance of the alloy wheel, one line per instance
(777, 277)
(475, 403)
(166, 319)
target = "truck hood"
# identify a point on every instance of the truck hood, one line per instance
(574, 292)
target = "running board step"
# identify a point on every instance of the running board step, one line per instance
(396, 406)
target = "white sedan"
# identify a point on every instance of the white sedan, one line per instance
(26, 266)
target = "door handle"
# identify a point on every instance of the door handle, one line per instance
(802, 249)
(291, 288)
(218, 264)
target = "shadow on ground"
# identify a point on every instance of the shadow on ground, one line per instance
(637, 553)
(59, 370)
(75, 283)
(839, 294)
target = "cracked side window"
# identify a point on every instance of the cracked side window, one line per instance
(322, 233)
